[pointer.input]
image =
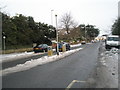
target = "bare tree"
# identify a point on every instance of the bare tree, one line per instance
(67, 22)
(2, 7)
(75, 24)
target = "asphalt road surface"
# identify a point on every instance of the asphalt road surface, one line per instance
(71, 72)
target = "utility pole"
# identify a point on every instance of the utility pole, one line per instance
(85, 34)
(57, 35)
(4, 43)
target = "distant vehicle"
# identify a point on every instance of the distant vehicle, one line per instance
(112, 41)
(41, 48)
(60, 45)
(93, 41)
(83, 42)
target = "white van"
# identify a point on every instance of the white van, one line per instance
(112, 41)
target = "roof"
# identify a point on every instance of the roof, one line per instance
(113, 36)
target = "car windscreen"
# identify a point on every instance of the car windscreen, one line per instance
(113, 39)
(42, 46)
(60, 45)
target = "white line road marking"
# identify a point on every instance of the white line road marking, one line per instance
(70, 85)
(74, 81)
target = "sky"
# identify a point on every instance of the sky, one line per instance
(101, 13)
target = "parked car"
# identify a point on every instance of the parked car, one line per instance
(83, 42)
(112, 41)
(41, 48)
(67, 45)
(60, 45)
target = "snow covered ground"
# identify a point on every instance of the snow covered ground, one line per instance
(32, 63)
(13, 56)
(76, 45)
(107, 71)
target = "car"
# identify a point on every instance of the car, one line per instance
(83, 42)
(41, 48)
(92, 41)
(60, 46)
(67, 45)
(112, 41)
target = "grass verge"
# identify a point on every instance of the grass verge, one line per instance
(16, 50)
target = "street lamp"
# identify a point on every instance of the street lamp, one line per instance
(4, 43)
(57, 35)
(47, 38)
(52, 17)
(85, 32)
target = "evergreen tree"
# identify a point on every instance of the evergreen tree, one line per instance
(116, 27)
(21, 30)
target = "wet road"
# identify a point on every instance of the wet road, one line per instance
(58, 74)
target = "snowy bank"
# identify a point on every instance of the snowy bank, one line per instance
(33, 63)
(107, 71)
(13, 56)
(76, 45)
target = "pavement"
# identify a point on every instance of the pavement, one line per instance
(107, 72)
(119, 71)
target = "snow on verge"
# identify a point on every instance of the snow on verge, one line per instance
(76, 45)
(32, 63)
(14, 56)
(108, 69)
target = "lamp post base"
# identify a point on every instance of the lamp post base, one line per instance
(57, 53)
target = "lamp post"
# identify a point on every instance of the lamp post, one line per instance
(4, 43)
(57, 35)
(52, 17)
(85, 32)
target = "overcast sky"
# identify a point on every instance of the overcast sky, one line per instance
(101, 13)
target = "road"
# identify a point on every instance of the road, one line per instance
(59, 74)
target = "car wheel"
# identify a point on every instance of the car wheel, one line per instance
(46, 50)
(107, 47)
(118, 47)
(35, 51)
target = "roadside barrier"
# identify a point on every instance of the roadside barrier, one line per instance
(50, 51)
(63, 48)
